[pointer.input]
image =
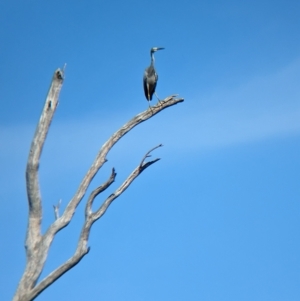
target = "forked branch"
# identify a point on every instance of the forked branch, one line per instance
(101, 156)
(90, 217)
(37, 245)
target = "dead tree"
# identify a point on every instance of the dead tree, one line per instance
(37, 244)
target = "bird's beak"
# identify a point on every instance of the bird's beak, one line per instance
(158, 48)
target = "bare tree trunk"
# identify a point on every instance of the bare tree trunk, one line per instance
(37, 245)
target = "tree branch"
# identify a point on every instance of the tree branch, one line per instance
(98, 190)
(90, 217)
(66, 217)
(37, 245)
(33, 236)
(101, 158)
(148, 154)
(138, 170)
(56, 209)
(32, 182)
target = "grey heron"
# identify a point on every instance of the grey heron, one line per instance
(150, 77)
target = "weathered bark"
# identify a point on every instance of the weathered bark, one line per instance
(35, 251)
(37, 245)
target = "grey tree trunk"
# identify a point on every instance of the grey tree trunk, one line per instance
(37, 244)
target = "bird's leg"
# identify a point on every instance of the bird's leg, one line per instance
(157, 98)
(150, 106)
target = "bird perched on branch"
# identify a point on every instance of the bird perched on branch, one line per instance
(150, 77)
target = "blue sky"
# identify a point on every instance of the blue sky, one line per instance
(218, 217)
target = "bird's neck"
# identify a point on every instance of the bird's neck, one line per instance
(152, 59)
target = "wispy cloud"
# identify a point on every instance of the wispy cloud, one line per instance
(265, 107)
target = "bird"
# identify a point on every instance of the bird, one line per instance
(150, 77)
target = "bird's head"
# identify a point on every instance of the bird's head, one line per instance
(154, 49)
